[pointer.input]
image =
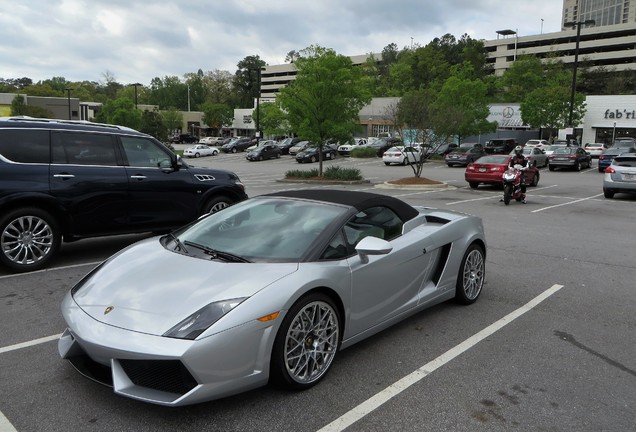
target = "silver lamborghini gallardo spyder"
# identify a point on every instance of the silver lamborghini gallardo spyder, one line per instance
(267, 290)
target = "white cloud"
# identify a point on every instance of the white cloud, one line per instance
(137, 40)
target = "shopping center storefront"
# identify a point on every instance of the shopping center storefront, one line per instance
(608, 118)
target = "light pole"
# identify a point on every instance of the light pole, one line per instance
(576, 25)
(135, 85)
(614, 133)
(68, 94)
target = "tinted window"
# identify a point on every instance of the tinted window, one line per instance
(378, 222)
(142, 152)
(82, 149)
(25, 145)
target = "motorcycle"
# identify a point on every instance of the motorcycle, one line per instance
(512, 184)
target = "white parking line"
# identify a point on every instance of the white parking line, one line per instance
(398, 387)
(49, 270)
(5, 426)
(29, 343)
(567, 203)
(495, 195)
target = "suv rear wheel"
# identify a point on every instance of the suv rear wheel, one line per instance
(29, 238)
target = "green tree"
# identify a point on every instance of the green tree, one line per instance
(217, 115)
(121, 112)
(20, 108)
(461, 107)
(218, 84)
(524, 76)
(324, 100)
(549, 107)
(172, 119)
(246, 80)
(273, 121)
(152, 124)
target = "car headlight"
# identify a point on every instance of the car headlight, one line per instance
(198, 322)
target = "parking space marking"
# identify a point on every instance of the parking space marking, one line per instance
(497, 194)
(29, 343)
(48, 270)
(567, 203)
(5, 426)
(398, 387)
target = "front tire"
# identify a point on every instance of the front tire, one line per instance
(234, 150)
(306, 343)
(216, 204)
(471, 275)
(29, 238)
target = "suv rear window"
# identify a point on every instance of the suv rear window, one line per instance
(25, 146)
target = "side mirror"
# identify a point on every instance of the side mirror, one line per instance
(372, 246)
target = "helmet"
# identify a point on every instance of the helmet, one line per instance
(518, 150)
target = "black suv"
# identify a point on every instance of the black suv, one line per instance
(500, 145)
(184, 138)
(70, 180)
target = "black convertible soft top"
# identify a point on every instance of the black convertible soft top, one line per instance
(358, 200)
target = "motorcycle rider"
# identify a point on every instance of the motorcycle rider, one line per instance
(519, 159)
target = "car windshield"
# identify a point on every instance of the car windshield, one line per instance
(499, 160)
(261, 230)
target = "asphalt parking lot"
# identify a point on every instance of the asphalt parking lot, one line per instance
(548, 346)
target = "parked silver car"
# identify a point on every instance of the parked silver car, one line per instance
(269, 289)
(620, 176)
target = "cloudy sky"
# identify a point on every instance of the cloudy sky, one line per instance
(138, 40)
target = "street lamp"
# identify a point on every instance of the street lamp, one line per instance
(135, 85)
(68, 94)
(576, 25)
(614, 133)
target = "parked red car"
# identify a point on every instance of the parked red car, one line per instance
(489, 169)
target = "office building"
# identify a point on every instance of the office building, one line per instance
(603, 12)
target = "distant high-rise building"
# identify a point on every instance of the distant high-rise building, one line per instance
(604, 12)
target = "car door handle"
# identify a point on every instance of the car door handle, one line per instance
(138, 177)
(64, 176)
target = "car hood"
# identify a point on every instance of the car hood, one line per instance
(149, 289)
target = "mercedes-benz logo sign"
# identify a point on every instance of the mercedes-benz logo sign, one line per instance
(508, 112)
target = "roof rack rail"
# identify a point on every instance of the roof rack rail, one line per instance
(62, 121)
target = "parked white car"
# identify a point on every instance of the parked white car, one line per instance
(345, 149)
(211, 140)
(537, 143)
(199, 150)
(595, 149)
(401, 155)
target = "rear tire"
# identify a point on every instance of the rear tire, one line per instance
(608, 193)
(535, 180)
(473, 185)
(550, 167)
(577, 166)
(29, 238)
(471, 275)
(507, 193)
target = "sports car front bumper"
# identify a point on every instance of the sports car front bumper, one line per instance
(164, 370)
